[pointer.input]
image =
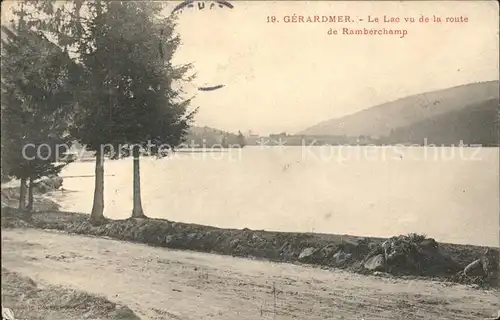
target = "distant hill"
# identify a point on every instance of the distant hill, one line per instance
(210, 137)
(419, 113)
(475, 124)
(197, 137)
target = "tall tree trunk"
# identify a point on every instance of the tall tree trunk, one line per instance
(31, 186)
(22, 195)
(97, 214)
(137, 211)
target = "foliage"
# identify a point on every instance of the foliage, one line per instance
(130, 100)
(36, 103)
(125, 91)
(415, 238)
(241, 139)
(205, 137)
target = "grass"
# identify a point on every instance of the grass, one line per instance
(416, 238)
(30, 302)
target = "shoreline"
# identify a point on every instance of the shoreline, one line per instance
(424, 258)
(400, 256)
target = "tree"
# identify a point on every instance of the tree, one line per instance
(126, 93)
(35, 105)
(141, 108)
(224, 140)
(75, 31)
(241, 140)
(156, 113)
(38, 170)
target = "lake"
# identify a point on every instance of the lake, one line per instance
(449, 193)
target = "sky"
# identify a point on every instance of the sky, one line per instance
(289, 76)
(285, 77)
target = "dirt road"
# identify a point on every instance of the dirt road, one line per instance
(158, 283)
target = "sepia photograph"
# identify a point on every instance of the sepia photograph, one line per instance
(274, 160)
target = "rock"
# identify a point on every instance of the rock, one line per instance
(192, 236)
(490, 265)
(234, 243)
(169, 239)
(341, 257)
(123, 313)
(375, 263)
(306, 253)
(55, 182)
(473, 268)
(48, 184)
(372, 245)
(324, 253)
(286, 251)
(42, 188)
(7, 314)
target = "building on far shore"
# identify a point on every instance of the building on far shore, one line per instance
(251, 138)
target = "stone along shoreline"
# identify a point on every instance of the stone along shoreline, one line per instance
(401, 256)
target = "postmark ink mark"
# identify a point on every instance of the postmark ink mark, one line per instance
(211, 88)
(201, 5)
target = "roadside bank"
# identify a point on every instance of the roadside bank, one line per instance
(406, 255)
(159, 283)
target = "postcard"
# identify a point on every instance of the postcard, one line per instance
(250, 160)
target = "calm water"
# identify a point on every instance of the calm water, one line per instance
(451, 194)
